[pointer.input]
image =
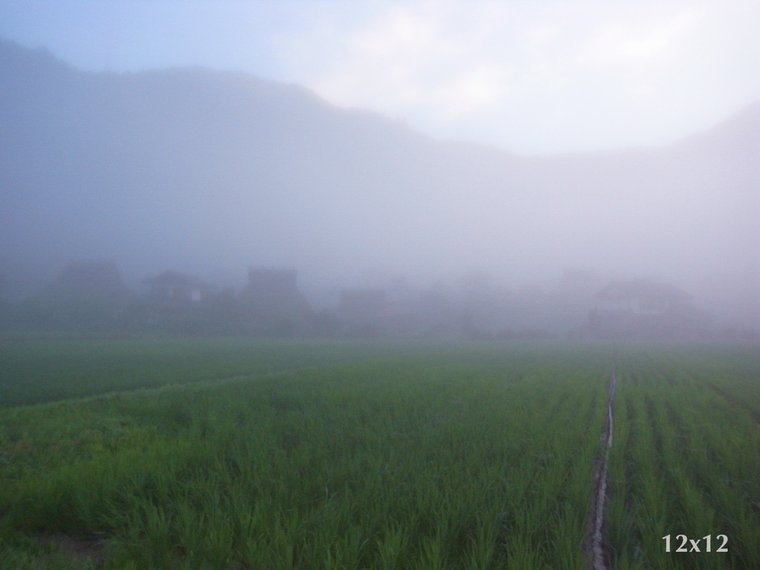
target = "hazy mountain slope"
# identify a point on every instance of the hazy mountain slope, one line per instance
(210, 162)
(209, 171)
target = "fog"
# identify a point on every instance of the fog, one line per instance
(211, 173)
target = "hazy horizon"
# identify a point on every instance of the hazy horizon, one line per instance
(210, 172)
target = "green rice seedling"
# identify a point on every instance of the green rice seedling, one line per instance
(472, 456)
(691, 454)
(56, 368)
(524, 554)
(482, 549)
(431, 554)
(391, 548)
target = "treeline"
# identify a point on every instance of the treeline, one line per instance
(94, 297)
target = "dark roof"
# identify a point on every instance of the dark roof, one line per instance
(177, 279)
(642, 289)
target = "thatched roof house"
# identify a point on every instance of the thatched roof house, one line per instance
(173, 286)
(644, 309)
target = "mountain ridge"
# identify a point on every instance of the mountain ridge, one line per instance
(210, 171)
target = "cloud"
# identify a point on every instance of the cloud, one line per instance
(409, 57)
(584, 71)
(534, 76)
(620, 43)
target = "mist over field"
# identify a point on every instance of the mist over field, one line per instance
(388, 284)
(212, 172)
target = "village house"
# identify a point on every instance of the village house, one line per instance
(364, 311)
(642, 309)
(273, 302)
(175, 287)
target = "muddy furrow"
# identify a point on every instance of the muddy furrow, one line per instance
(596, 544)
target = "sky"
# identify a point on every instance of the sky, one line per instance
(532, 77)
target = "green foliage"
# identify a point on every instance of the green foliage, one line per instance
(261, 454)
(685, 459)
(47, 369)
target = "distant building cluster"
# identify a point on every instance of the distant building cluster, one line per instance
(92, 296)
(643, 309)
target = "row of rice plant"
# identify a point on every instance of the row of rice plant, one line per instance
(477, 457)
(51, 369)
(685, 461)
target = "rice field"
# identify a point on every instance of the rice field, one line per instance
(230, 453)
(687, 459)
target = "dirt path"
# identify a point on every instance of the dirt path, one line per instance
(596, 547)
